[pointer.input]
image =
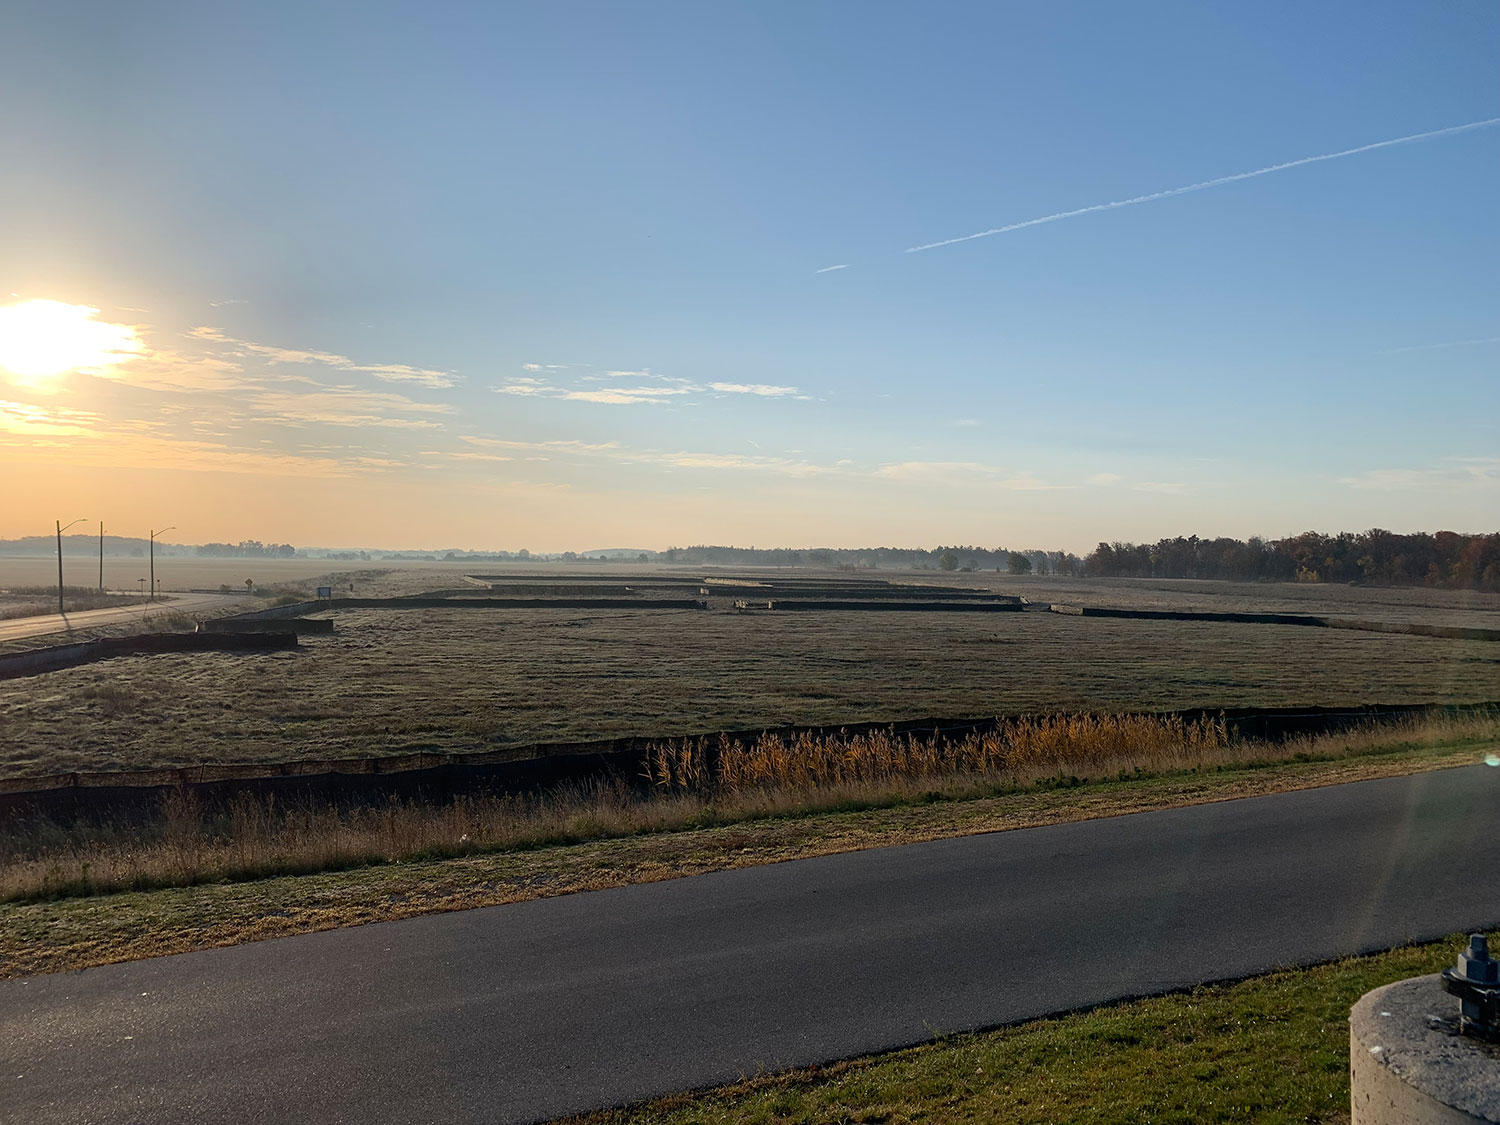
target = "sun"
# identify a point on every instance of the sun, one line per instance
(42, 339)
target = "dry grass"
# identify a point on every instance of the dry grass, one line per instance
(1018, 749)
(692, 785)
(61, 934)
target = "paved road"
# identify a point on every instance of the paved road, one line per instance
(17, 628)
(519, 1012)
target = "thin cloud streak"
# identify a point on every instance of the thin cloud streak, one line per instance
(390, 372)
(660, 390)
(1456, 473)
(830, 269)
(763, 390)
(1445, 344)
(1218, 182)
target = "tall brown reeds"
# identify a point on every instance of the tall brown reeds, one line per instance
(1027, 747)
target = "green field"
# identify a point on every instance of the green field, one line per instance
(399, 681)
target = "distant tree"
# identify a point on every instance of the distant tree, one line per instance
(1018, 563)
(948, 561)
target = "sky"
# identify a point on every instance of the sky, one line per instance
(589, 275)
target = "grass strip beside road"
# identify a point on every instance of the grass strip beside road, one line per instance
(75, 933)
(1271, 1049)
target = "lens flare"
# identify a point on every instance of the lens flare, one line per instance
(42, 339)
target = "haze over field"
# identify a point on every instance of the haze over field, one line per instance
(838, 274)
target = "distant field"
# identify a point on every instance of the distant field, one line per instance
(397, 681)
(191, 573)
(374, 578)
(1373, 603)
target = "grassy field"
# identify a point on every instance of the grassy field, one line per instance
(397, 681)
(1271, 1049)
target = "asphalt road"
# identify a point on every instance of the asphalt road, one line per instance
(521, 1012)
(19, 627)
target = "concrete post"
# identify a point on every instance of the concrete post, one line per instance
(1408, 1064)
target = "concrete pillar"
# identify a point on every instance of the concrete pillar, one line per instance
(1409, 1066)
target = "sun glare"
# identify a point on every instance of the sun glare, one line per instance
(42, 339)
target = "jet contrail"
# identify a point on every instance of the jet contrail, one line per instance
(1209, 183)
(1445, 344)
(830, 269)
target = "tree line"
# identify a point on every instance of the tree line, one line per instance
(246, 549)
(1445, 559)
(949, 558)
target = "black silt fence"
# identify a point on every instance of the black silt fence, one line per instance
(441, 777)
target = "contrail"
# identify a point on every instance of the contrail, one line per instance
(830, 269)
(1445, 344)
(1209, 183)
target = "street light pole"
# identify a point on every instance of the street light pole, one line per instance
(60, 529)
(101, 556)
(151, 590)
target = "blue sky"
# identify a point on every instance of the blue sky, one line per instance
(546, 275)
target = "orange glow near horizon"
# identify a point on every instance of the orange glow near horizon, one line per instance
(42, 339)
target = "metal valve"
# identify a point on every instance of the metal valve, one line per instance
(1476, 983)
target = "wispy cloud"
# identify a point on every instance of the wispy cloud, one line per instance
(627, 396)
(1455, 473)
(1444, 344)
(162, 369)
(649, 387)
(37, 421)
(524, 386)
(830, 269)
(566, 445)
(124, 450)
(763, 390)
(791, 464)
(1104, 480)
(1206, 184)
(964, 472)
(615, 453)
(347, 406)
(390, 372)
(781, 465)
